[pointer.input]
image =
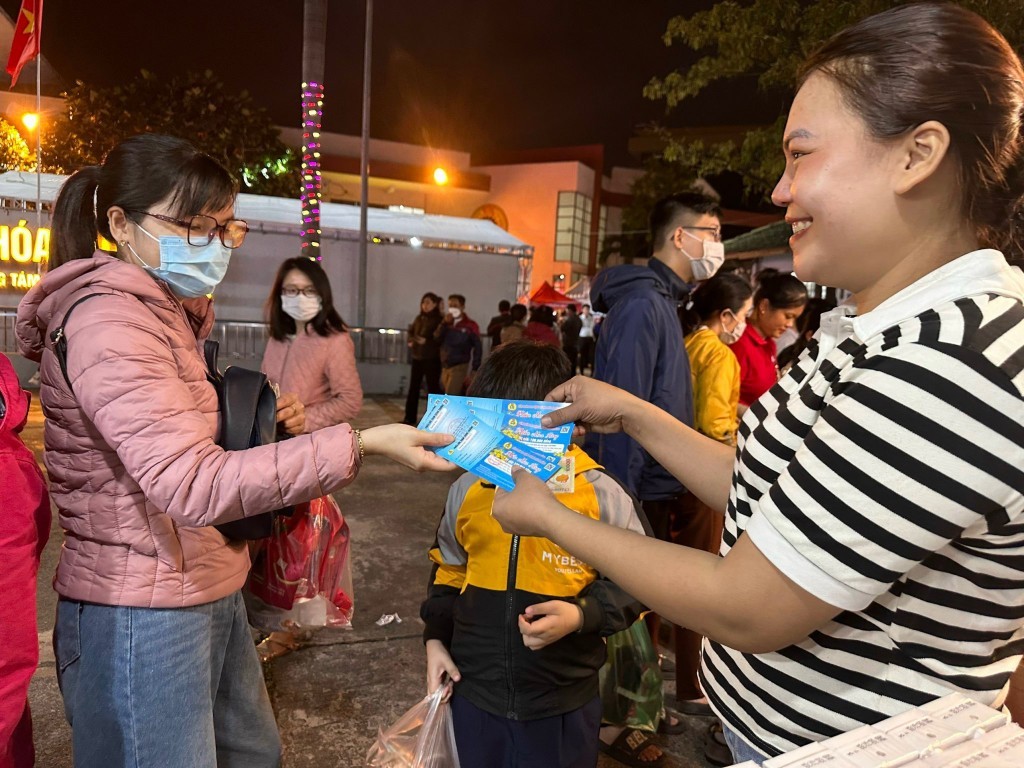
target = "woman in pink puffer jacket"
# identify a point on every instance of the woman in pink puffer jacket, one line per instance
(310, 353)
(155, 661)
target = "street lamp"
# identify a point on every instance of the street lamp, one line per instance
(440, 176)
(31, 121)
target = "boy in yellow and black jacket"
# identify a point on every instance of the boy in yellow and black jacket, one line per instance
(519, 623)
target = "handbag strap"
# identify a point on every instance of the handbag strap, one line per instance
(60, 341)
(210, 351)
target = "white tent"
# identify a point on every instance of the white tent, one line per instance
(408, 254)
(336, 221)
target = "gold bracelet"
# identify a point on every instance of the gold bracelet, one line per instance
(359, 441)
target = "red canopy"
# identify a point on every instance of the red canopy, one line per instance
(549, 296)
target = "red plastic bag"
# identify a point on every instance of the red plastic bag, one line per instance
(305, 566)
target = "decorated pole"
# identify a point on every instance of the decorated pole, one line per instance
(364, 161)
(314, 37)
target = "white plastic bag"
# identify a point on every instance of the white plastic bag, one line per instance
(421, 738)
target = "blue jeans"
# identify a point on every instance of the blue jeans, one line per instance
(741, 751)
(164, 687)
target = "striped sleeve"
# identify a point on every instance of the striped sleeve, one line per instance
(902, 460)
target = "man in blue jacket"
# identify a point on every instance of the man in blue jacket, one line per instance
(460, 345)
(640, 349)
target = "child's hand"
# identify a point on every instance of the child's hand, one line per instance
(439, 663)
(527, 509)
(544, 623)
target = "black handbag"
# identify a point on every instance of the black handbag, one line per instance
(248, 418)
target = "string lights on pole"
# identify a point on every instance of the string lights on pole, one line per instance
(311, 193)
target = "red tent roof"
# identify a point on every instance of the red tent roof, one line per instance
(548, 295)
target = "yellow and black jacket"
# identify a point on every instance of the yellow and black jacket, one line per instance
(483, 578)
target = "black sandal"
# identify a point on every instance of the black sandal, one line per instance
(716, 749)
(666, 727)
(629, 745)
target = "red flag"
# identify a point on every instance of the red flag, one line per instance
(27, 31)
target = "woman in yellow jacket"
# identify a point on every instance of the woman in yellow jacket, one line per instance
(716, 318)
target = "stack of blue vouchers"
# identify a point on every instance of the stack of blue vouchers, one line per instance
(493, 436)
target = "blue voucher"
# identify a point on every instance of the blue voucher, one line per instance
(519, 419)
(481, 448)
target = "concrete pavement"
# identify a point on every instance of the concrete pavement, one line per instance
(332, 696)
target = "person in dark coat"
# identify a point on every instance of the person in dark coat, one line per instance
(571, 327)
(425, 352)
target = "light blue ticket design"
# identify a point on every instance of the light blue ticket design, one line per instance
(519, 419)
(480, 448)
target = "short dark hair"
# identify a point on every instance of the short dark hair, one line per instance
(518, 312)
(669, 212)
(571, 308)
(782, 289)
(504, 305)
(938, 61)
(459, 298)
(327, 320)
(521, 370)
(137, 174)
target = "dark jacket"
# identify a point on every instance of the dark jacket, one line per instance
(571, 327)
(460, 343)
(640, 349)
(425, 325)
(483, 578)
(494, 327)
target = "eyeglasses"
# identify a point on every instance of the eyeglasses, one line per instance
(309, 292)
(716, 233)
(201, 229)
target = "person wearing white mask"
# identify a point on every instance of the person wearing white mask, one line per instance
(640, 349)
(309, 353)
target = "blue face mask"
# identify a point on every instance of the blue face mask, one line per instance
(191, 271)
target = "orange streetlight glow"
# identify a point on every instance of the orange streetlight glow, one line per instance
(30, 120)
(440, 176)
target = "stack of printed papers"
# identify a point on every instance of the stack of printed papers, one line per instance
(951, 732)
(493, 436)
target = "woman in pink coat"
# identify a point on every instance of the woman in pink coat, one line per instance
(154, 657)
(311, 354)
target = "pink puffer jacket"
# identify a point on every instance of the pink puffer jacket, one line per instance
(321, 370)
(134, 470)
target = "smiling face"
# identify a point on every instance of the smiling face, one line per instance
(838, 191)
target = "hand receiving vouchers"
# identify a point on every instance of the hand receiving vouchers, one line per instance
(487, 445)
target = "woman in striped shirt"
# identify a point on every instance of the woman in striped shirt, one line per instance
(873, 552)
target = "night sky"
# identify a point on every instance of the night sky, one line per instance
(477, 76)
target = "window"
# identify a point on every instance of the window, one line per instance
(572, 227)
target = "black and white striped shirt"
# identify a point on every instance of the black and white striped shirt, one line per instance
(884, 474)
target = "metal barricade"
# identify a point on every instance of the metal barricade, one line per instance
(246, 341)
(8, 343)
(240, 340)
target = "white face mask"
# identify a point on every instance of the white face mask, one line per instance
(301, 308)
(731, 337)
(455, 312)
(705, 267)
